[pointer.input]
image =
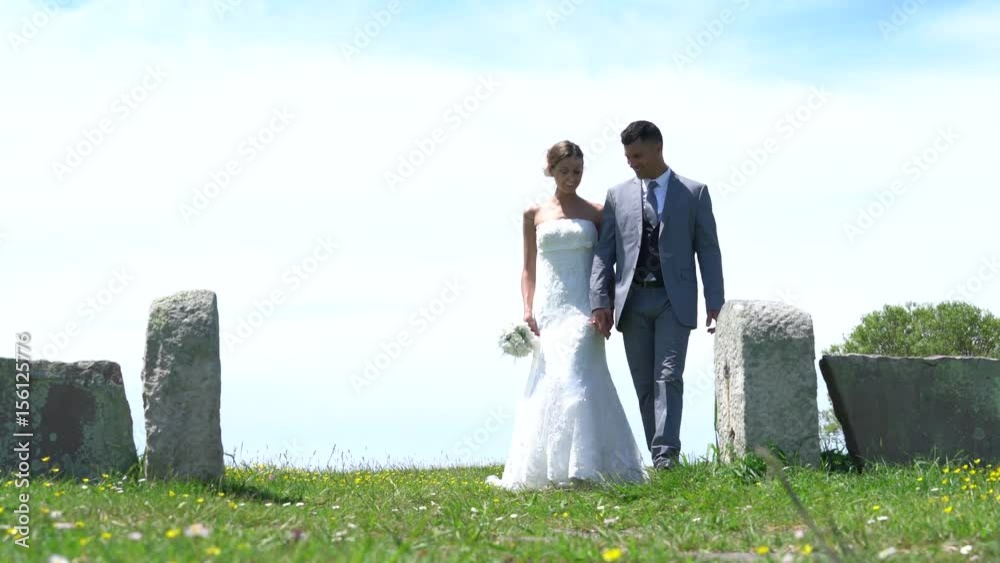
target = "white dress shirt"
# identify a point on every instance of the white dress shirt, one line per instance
(660, 191)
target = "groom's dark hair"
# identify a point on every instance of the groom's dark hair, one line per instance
(641, 131)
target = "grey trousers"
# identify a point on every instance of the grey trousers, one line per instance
(656, 347)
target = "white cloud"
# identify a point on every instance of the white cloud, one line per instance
(974, 23)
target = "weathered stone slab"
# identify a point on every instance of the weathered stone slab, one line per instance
(901, 409)
(78, 415)
(765, 380)
(182, 387)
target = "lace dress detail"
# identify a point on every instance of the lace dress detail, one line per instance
(569, 423)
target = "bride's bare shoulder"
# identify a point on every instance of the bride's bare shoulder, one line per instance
(530, 214)
(596, 211)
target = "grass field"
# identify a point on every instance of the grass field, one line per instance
(699, 511)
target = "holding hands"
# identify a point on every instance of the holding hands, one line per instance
(603, 320)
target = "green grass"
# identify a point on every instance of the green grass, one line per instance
(702, 510)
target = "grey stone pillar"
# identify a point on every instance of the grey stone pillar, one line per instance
(182, 387)
(765, 380)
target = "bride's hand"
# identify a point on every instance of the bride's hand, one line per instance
(530, 319)
(603, 320)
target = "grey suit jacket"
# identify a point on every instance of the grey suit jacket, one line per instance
(688, 229)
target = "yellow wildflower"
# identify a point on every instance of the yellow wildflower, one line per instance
(612, 554)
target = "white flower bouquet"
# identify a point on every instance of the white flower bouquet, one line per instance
(517, 340)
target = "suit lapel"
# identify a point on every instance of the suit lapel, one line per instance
(637, 206)
(672, 201)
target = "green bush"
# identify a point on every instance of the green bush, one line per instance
(951, 328)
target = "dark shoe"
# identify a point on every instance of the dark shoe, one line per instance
(666, 463)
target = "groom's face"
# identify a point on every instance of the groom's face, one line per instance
(643, 157)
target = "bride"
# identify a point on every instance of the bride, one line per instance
(569, 426)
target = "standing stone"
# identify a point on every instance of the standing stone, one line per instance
(78, 415)
(182, 387)
(898, 410)
(765, 380)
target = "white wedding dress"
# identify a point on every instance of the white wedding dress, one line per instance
(569, 425)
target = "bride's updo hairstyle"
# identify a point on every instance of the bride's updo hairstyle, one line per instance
(559, 151)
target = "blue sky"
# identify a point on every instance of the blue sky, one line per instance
(824, 114)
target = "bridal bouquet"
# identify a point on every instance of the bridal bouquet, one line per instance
(517, 340)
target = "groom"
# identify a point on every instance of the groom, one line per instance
(653, 225)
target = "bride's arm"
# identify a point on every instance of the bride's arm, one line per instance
(528, 271)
